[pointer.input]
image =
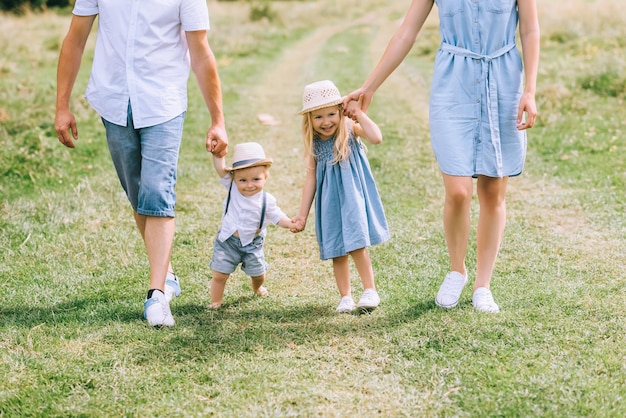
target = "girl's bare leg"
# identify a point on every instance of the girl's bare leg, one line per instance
(342, 275)
(363, 264)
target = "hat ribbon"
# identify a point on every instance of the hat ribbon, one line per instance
(244, 162)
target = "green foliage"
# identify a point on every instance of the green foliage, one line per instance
(607, 83)
(262, 10)
(19, 6)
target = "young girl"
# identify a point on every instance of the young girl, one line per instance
(349, 215)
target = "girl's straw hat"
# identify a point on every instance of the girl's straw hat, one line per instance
(249, 154)
(318, 95)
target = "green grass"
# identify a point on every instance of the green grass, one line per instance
(74, 275)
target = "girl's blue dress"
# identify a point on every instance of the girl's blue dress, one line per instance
(476, 90)
(349, 213)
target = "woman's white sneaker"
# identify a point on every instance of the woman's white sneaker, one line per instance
(483, 301)
(450, 290)
(346, 305)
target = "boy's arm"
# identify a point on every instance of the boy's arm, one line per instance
(285, 222)
(220, 165)
(364, 127)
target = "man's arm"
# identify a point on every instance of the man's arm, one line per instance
(204, 66)
(67, 70)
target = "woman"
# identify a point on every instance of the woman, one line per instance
(482, 101)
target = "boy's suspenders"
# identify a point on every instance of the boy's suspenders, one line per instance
(262, 208)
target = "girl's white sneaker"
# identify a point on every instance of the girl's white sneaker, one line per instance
(369, 300)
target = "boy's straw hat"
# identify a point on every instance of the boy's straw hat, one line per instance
(318, 95)
(249, 154)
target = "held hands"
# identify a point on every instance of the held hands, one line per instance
(360, 96)
(298, 224)
(217, 141)
(354, 108)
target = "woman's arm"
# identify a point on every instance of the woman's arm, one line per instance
(530, 37)
(397, 49)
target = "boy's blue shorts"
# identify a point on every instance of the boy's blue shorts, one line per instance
(227, 255)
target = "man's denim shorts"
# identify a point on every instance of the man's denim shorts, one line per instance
(228, 254)
(146, 160)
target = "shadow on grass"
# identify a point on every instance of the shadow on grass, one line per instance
(242, 325)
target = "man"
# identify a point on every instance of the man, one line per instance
(138, 85)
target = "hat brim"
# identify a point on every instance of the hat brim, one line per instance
(266, 162)
(311, 109)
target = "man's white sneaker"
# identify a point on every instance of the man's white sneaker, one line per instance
(483, 301)
(450, 290)
(172, 286)
(369, 300)
(157, 310)
(346, 305)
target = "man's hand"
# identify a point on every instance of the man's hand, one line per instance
(217, 141)
(64, 123)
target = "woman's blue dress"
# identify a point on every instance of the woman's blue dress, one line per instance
(476, 89)
(349, 213)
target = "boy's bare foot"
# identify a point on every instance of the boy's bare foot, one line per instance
(215, 305)
(262, 291)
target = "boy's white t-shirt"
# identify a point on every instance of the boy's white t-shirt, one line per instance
(244, 214)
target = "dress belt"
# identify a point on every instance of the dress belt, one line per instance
(492, 92)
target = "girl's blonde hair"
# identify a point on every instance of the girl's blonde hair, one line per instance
(341, 149)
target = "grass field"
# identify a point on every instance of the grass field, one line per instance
(73, 274)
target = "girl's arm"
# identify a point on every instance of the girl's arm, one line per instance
(364, 127)
(220, 165)
(529, 36)
(397, 49)
(308, 193)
